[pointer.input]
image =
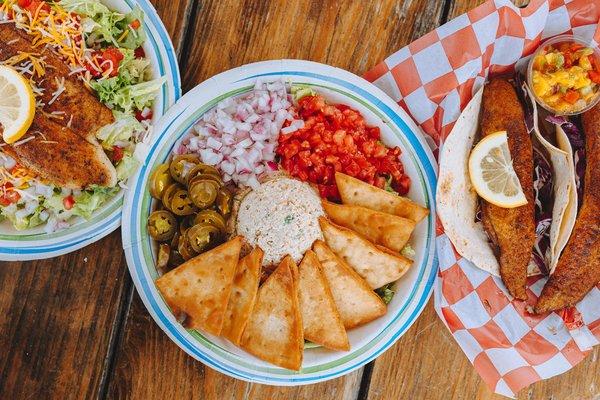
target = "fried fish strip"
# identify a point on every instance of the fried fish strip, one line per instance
(85, 112)
(578, 269)
(511, 230)
(60, 156)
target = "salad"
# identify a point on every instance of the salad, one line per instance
(103, 52)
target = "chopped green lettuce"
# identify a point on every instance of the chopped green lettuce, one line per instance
(106, 26)
(90, 200)
(388, 185)
(408, 252)
(127, 166)
(386, 293)
(122, 130)
(300, 91)
(126, 97)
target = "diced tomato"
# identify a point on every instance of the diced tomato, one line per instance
(142, 116)
(115, 56)
(572, 96)
(68, 202)
(8, 196)
(135, 24)
(33, 5)
(335, 138)
(117, 154)
(594, 76)
(139, 53)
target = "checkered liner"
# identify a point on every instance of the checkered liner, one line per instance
(434, 78)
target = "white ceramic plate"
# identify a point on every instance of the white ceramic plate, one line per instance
(412, 291)
(34, 243)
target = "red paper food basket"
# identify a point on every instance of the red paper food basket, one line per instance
(434, 78)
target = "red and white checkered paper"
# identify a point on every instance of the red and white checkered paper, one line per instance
(434, 78)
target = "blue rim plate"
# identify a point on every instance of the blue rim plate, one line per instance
(412, 291)
(34, 243)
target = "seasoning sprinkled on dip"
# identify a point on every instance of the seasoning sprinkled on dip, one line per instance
(282, 217)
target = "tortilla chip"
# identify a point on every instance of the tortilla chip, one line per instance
(355, 192)
(320, 318)
(355, 301)
(377, 265)
(274, 331)
(380, 228)
(243, 295)
(200, 287)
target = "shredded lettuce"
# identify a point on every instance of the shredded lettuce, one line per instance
(300, 91)
(386, 293)
(123, 129)
(127, 166)
(120, 95)
(105, 26)
(90, 200)
(408, 252)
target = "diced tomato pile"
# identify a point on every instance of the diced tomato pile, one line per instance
(8, 195)
(335, 138)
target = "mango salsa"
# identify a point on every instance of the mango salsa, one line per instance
(566, 76)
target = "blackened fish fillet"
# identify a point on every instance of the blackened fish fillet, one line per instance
(87, 112)
(512, 230)
(62, 157)
(578, 269)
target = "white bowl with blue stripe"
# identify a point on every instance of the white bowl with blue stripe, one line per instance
(35, 243)
(412, 291)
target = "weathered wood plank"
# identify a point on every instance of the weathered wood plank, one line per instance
(226, 34)
(175, 15)
(351, 35)
(56, 321)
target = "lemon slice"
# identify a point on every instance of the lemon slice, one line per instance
(492, 173)
(17, 104)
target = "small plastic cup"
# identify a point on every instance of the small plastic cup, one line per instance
(555, 40)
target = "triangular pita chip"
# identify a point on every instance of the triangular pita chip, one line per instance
(380, 228)
(320, 318)
(355, 192)
(377, 265)
(243, 295)
(200, 287)
(356, 302)
(274, 331)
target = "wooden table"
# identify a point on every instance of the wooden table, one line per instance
(73, 327)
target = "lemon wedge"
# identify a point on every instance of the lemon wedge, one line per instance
(17, 104)
(492, 173)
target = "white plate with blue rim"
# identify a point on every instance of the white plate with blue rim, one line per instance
(412, 290)
(35, 243)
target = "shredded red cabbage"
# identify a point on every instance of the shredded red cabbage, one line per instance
(543, 187)
(575, 136)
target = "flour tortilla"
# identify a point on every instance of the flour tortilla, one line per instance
(320, 317)
(457, 201)
(356, 302)
(564, 211)
(200, 287)
(274, 331)
(243, 295)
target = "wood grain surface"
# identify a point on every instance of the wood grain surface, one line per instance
(73, 327)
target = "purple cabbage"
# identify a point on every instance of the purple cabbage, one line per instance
(543, 190)
(575, 136)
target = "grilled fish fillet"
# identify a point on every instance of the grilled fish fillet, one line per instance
(62, 157)
(578, 269)
(511, 230)
(87, 112)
